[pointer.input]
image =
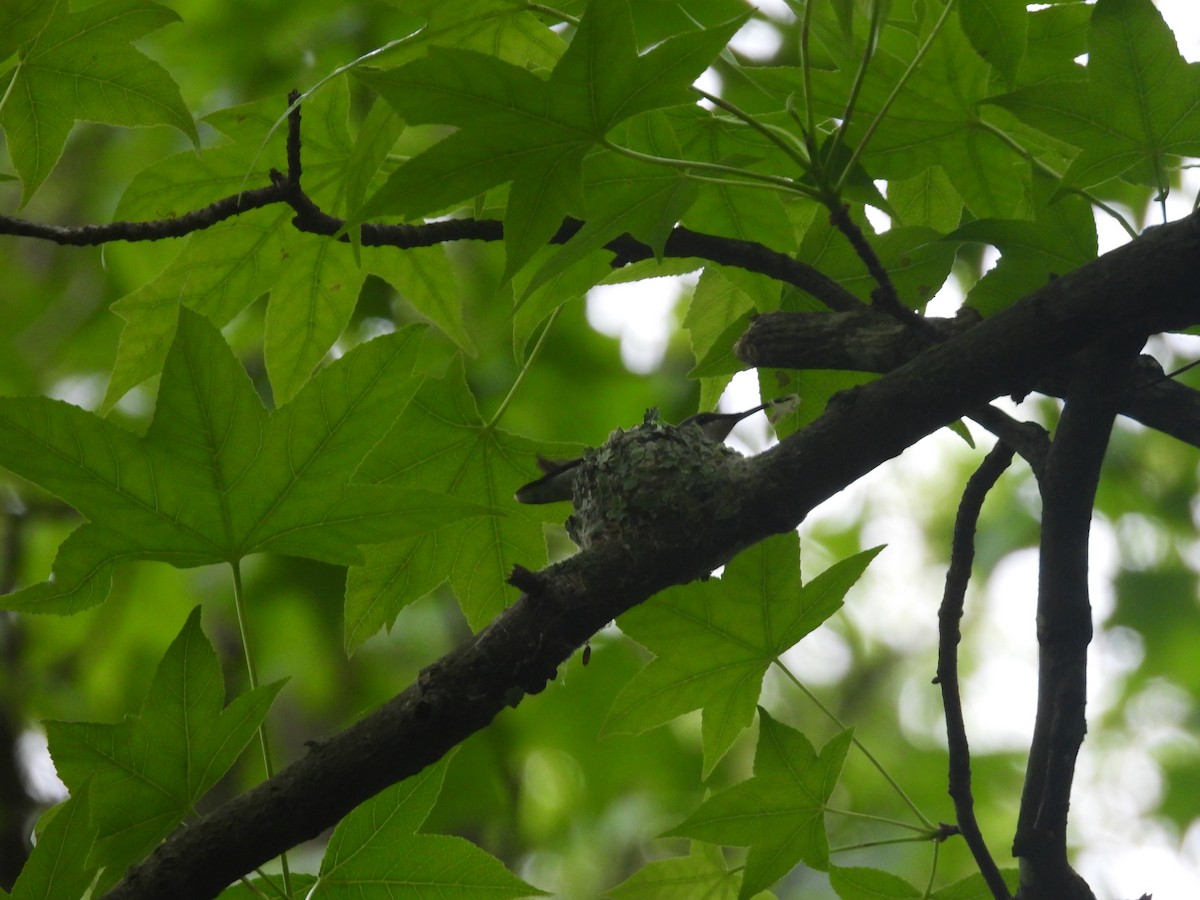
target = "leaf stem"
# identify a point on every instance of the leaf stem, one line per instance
(937, 850)
(778, 181)
(551, 11)
(780, 137)
(859, 744)
(1009, 141)
(860, 78)
(884, 842)
(810, 128)
(239, 605)
(891, 97)
(907, 826)
(529, 361)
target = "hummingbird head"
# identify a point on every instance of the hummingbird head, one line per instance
(716, 426)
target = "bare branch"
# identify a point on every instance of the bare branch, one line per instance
(949, 635)
(1064, 618)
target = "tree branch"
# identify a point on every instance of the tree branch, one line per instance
(1064, 618)
(958, 576)
(867, 341)
(884, 297)
(1142, 288)
(682, 242)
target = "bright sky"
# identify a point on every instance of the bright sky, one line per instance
(1124, 853)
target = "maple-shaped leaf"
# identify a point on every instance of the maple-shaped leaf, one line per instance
(507, 29)
(313, 283)
(81, 65)
(975, 887)
(1139, 105)
(376, 852)
(701, 875)
(779, 813)
(863, 883)
(1060, 239)
(625, 195)
(713, 641)
(458, 455)
(515, 126)
(58, 864)
(216, 477)
(147, 773)
(998, 30)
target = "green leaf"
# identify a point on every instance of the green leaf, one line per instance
(917, 259)
(425, 278)
(312, 299)
(534, 132)
(223, 269)
(441, 444)
(58, 866)
(714, 641)
(257, 887)
(21, 21)
(718, 314)
(701, 875)
(928, 200)
(81, 66)
(779, 813)
(624, 196)
(375, 852)
(216, 478)
(501, 28)
(973, 887)
(1057, 37)
(1139, 107)
(1059, 240)
(861, 883)
(997, 29)
(138, 797)
(934, 120)
(220, 272)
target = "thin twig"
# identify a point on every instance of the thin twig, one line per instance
(884, 297)
(309, 218)
(949, 635)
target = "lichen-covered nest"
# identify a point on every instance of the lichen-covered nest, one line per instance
(652, 479)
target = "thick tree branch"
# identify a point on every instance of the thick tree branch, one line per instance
(1064, 618)
(867, 341)
(958, 576)
(1140, 289)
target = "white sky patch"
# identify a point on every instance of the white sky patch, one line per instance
(757, 40)
(641, 314)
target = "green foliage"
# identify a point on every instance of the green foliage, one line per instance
(79, 65)
(713, 642)
(216, 477)
(339, 421)
(779, 813)
(138, 796)
(375, 852)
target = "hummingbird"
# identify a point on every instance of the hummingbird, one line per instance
(558, 482)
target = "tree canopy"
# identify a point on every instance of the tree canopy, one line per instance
(296, 299)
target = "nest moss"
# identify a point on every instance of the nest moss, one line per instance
(652, 479)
